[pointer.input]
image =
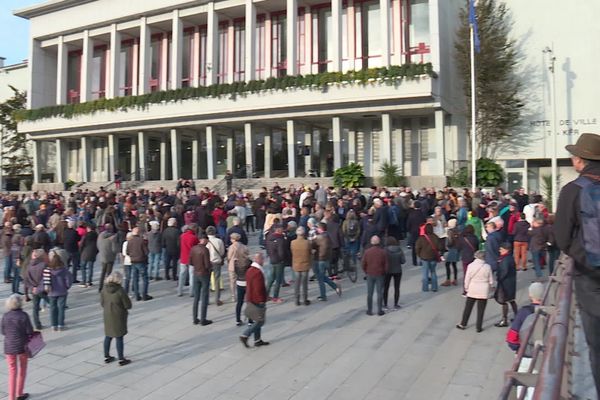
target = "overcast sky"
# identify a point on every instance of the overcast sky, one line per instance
(14, 31)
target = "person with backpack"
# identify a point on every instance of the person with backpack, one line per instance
(577, 233)
(507, 283)
(453, 255)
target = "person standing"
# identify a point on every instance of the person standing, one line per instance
(187, 240)
(237, 256)
(538, 242)
(256, 302)
(276, 250)
(395, 260)
(507, 283)
(569, 236)
(6, 240)
(138, 251)
(170, 244)
(115, 304)
(61, 281)
(34, 280)
(375, 265)
(492, 245)
(107, 252)
(200, 262)
(71, 240)
(301, 261)
(216, 249)
(229, 181)
(89, 251)
(154, 247)
(452, 256)
(521, 242)
(322, 246)
(126, 262)
(16, 329)
(429, 248)
(478, 284)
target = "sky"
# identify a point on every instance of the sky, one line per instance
(14, 31)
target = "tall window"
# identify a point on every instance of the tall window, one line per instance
(368, 34)
(223, 53)
(239, 50)
(322, 37)
(187, 57)
(155, 57)
(98, 78)
(202, 50)
(417, 36)
(301, 38)
(278, 44)
(259, 56)
(126, 68)
(73, 76)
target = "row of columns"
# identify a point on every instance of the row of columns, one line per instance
(142, 65)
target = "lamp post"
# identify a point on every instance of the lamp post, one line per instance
(549, 52)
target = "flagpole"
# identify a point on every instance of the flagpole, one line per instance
(473, 114)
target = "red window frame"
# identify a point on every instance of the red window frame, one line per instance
(101, 93)
(155, 81)
(239, 63)
(278, 67)
(421, 48)
(315, 36)
(363, 59)
(223, 52)
(201, 48)
(74, 95)
(128, 88)
(260, 46)
(301, 37)
(187, 82)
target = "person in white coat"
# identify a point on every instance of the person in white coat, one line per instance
(479, 283)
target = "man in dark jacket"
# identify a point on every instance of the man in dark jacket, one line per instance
(415, 219)
(569, 238)
(322, 246)
(237, 228)
(137, 250)
(170, 242)
(200, 261)
(492, 245)
(71, 246)
(380, 217)
(334, 231)
(277, 248)
(375, 265)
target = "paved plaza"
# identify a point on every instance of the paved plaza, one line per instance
(329, 350)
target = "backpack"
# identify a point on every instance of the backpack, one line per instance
(589, 199)
(353, 229)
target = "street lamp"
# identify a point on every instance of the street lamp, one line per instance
(549, 52)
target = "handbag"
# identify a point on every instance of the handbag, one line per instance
(34, 344)
(437, 252)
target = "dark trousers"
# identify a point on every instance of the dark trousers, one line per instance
(201, 283)
(587, 292)
(250, 223)
(277, 278)
(74, 260)
(171, 264)
(374, 283)
(454, 269)
(301, 286)
(106, 270)
(241, 293)
(333, 265)
(120, 347)
(481, 303)
(37, 298)
(16, 280)
(386, 286)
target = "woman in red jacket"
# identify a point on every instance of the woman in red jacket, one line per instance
(256, 299)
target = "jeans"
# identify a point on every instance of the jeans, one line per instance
(352, 249)
(255, 328)
(386, 285)
(536, 256)
(374, 283)
(241, 293)
(216, 270)
(37, 298)
(154, 265)
(481, 303)
(261, 238)
(106, 270)
(301, 286)
(8, 266)
(57, 310)
(183, 269)
(171, 264)
(323, 278)
(222, 230)
(87, 272)
(553, 254)
(17, 372)
(127, 277)
(120, 347)
(277, 277)
(250, 223)
(200, 283)
(74, 259)
(428, 269)
(140, 269)
(16, 280)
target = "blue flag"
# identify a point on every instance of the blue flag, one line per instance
(473, 23)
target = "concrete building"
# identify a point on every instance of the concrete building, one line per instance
(83, 51)
(15, 75)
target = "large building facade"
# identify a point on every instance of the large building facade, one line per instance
(82, 51)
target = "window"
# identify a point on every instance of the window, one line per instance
(187, 53)
(98, 78)
(223, 53)
(126, 68)
(424, 137)
(260, 47)
(155, 57)
(278, 44)
(322, 37)
(417, 31)
(73, 76)
(301, 38)
(202, 52)
(239, 50)
(368, 35)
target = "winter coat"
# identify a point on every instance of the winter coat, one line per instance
(539, 237)
(467, 244)
(375, 261)
(276, 248)
(425, 248)
(89, 247)
(71, 240)
(237, 256)
(170, 241)
(16, 328)
(322, 245)
(154, 242)
(334, 230)
(137, 250)
(507, 279)
(479, 280)
(520, 231)
(492, 249)
(187, 241)
(301, 254)
(395, 259)
(107, 247)
(61, 282)
(115, 302)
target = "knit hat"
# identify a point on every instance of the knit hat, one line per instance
(536, 291)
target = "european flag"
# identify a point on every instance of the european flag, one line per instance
(473, 23)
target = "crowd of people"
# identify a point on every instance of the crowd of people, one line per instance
(51, 241)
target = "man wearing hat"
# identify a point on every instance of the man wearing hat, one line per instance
(585, 157)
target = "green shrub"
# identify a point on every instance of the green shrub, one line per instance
(391, 175)
(350, 176)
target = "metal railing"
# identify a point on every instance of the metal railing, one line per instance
(551, 333)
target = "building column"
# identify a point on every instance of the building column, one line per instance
(308, 144)
(230, 150)
(134, 163)
(249, 147)
(60, 155)
(384, 9)
(113, 155)
(62, 59)
(352, 146)
(250, 46)
(210, 152)
(35, 144)
(175, 154)
(164, 62)
(351, 35)
(385, 142)
(291, 130)
(268, 149)
(230, 51)
(195, 155)
(268, 46)
(336, 24)
(163, 158)
(85, 159)
(176, 50)
(142, 149)
(212, 45)
(399, 149)
(337, 142)
(196, 58)
(438, 166)
(144, 59)
(115, 52)
(292, 28)
(86, 70)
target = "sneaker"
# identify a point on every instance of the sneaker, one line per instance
(76, 281)
(55, 328)
(148, 297)
(321, 298)
(385, 308)
(239, 323)
(338, 290)
(397, 307)
(503, 323)
(24, 396)
(82, 285)
(124, 362)
(244, 341)
(261, 343)
(446, 283)
(206, 322)
(297, 302)
(138, 298)
(61, 328)
(461, 327)
(109, 359)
